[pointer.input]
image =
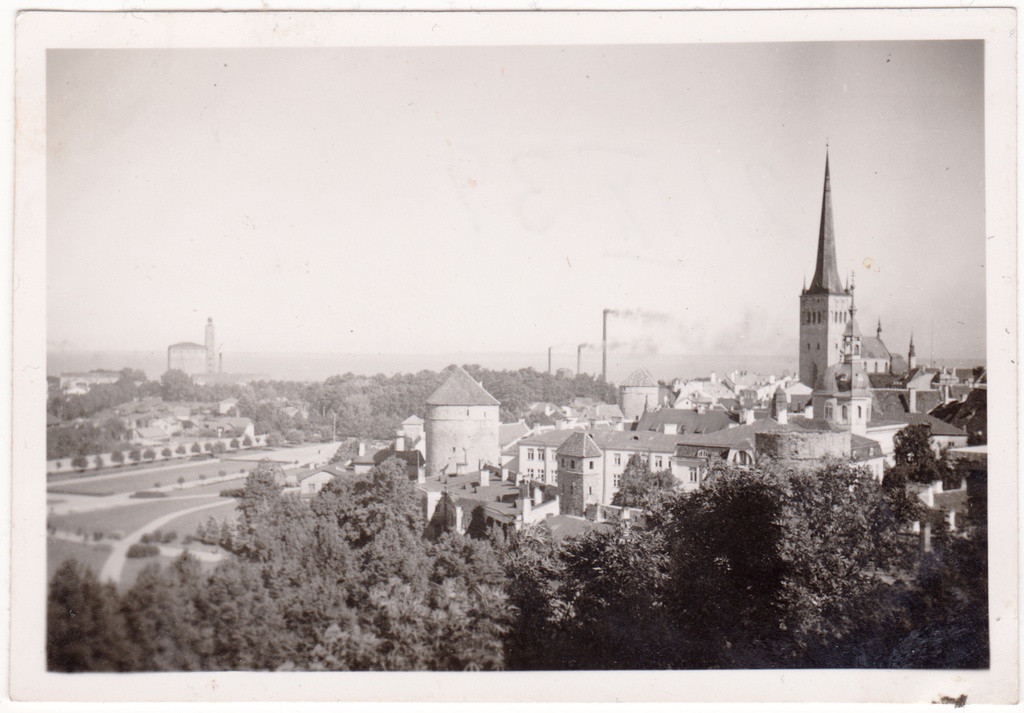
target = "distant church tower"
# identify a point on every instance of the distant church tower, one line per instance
(825, 305)
(911, 355)
(211, 360)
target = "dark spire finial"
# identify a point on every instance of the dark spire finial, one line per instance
(826, 275)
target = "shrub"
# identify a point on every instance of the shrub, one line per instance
(196, 448)
(98, 535)
(139, 550)
(181, 450)
(246, 441)
(57, 464)
(117, 457)
(156, 484)
(234, 443)
(166, 453)
(181, 480)
(148, 494)
(99, 462)
(80, 462)
(208, 447)
(134, 455)
(202, 476)
(222, 472)
(149, 454)
(232, 493)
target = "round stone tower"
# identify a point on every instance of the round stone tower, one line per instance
(461, 427)
(637, 392)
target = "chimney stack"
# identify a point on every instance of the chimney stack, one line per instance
(549, 359)
(579, 359)
(220, 363)
(604, 345)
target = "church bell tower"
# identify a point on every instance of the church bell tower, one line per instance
(825, 305)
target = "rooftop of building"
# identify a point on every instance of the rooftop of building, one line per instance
(461, 389)
(640, 378)
(187, 345)
(686, 420)
(579, 445)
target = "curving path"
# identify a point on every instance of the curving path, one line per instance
(114, 565)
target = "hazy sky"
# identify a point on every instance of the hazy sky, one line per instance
(497, 199)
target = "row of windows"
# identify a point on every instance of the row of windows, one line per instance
(820, 317)
(535, 454)
(829, 413)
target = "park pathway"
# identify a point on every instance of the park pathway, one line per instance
(114, 565)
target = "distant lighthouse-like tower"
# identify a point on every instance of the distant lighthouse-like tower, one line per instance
(211, 350)
(825, 305)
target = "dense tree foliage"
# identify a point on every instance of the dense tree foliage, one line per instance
(640, 487)
(347, 582)
(763, 567)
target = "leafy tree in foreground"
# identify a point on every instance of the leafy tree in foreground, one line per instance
(642, 488)
(85, 629)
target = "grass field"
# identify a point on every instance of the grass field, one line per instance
(187, 524)
(58, 551)
(128, 518)
(131, 482)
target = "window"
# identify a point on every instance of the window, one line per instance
(467, 412)
(561, 462)
(658, 462)
(860, 412)
(846, 414)
(693, 475)
(618, 459)
(617, 479)
(828, 412)
(529, 454)
(540, 454)
(572, 463)
(591, 465)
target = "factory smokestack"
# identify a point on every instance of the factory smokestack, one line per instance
(549, 359)
(579, 358)
(604, 345)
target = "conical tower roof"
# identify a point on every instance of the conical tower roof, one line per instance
(579, 445)
(826, 275)
(460, 389)
(640, 377)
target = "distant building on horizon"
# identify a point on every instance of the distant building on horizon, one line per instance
(193, 358)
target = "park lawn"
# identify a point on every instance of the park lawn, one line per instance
(132, 482)
(187, 524)
(127, 518)
(59, 551)
(211, 489)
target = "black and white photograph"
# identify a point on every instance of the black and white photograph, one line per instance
(523, 342)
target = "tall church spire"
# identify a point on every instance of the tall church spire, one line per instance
(826, 275)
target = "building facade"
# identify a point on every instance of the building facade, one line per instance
(461, 427)
(637, 393)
